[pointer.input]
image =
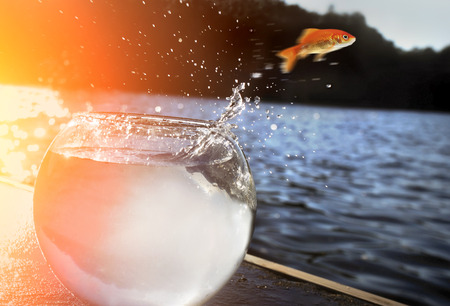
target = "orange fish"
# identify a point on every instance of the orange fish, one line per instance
(314, 41)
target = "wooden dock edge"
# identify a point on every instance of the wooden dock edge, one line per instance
(270, 265)
(13, 183)
(359, 294)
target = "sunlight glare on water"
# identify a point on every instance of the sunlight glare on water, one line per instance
(25, 114)
(20, 102)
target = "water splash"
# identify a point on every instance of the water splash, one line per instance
(206, 139)
(235, 107)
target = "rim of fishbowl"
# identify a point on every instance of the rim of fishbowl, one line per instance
(146, 119)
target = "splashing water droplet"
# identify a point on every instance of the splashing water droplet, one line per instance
(207, 138)
(257, 101)
(236, 105)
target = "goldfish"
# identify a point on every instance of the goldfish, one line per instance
(314, 41)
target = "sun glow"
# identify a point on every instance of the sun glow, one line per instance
(27, 125)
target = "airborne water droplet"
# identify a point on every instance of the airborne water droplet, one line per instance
(257, 101)
(236, 105)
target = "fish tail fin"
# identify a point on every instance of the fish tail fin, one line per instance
(290, 57)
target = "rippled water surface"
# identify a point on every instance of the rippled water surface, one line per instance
(358, 196)
(361, 197)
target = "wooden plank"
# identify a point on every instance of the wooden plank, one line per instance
(7, 181)
(366, 296)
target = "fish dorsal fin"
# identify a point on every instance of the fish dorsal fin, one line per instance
(305, 33)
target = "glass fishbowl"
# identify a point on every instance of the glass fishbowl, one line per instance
(134, 209)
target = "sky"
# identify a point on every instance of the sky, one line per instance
(408, 23)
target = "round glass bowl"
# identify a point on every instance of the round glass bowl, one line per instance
(134, 209)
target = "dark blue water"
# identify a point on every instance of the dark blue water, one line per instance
(361, 197)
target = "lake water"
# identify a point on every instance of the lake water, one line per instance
(361, 197)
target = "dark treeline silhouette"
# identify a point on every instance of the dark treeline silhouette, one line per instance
(200, 47)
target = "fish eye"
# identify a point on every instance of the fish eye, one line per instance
(345, 37)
